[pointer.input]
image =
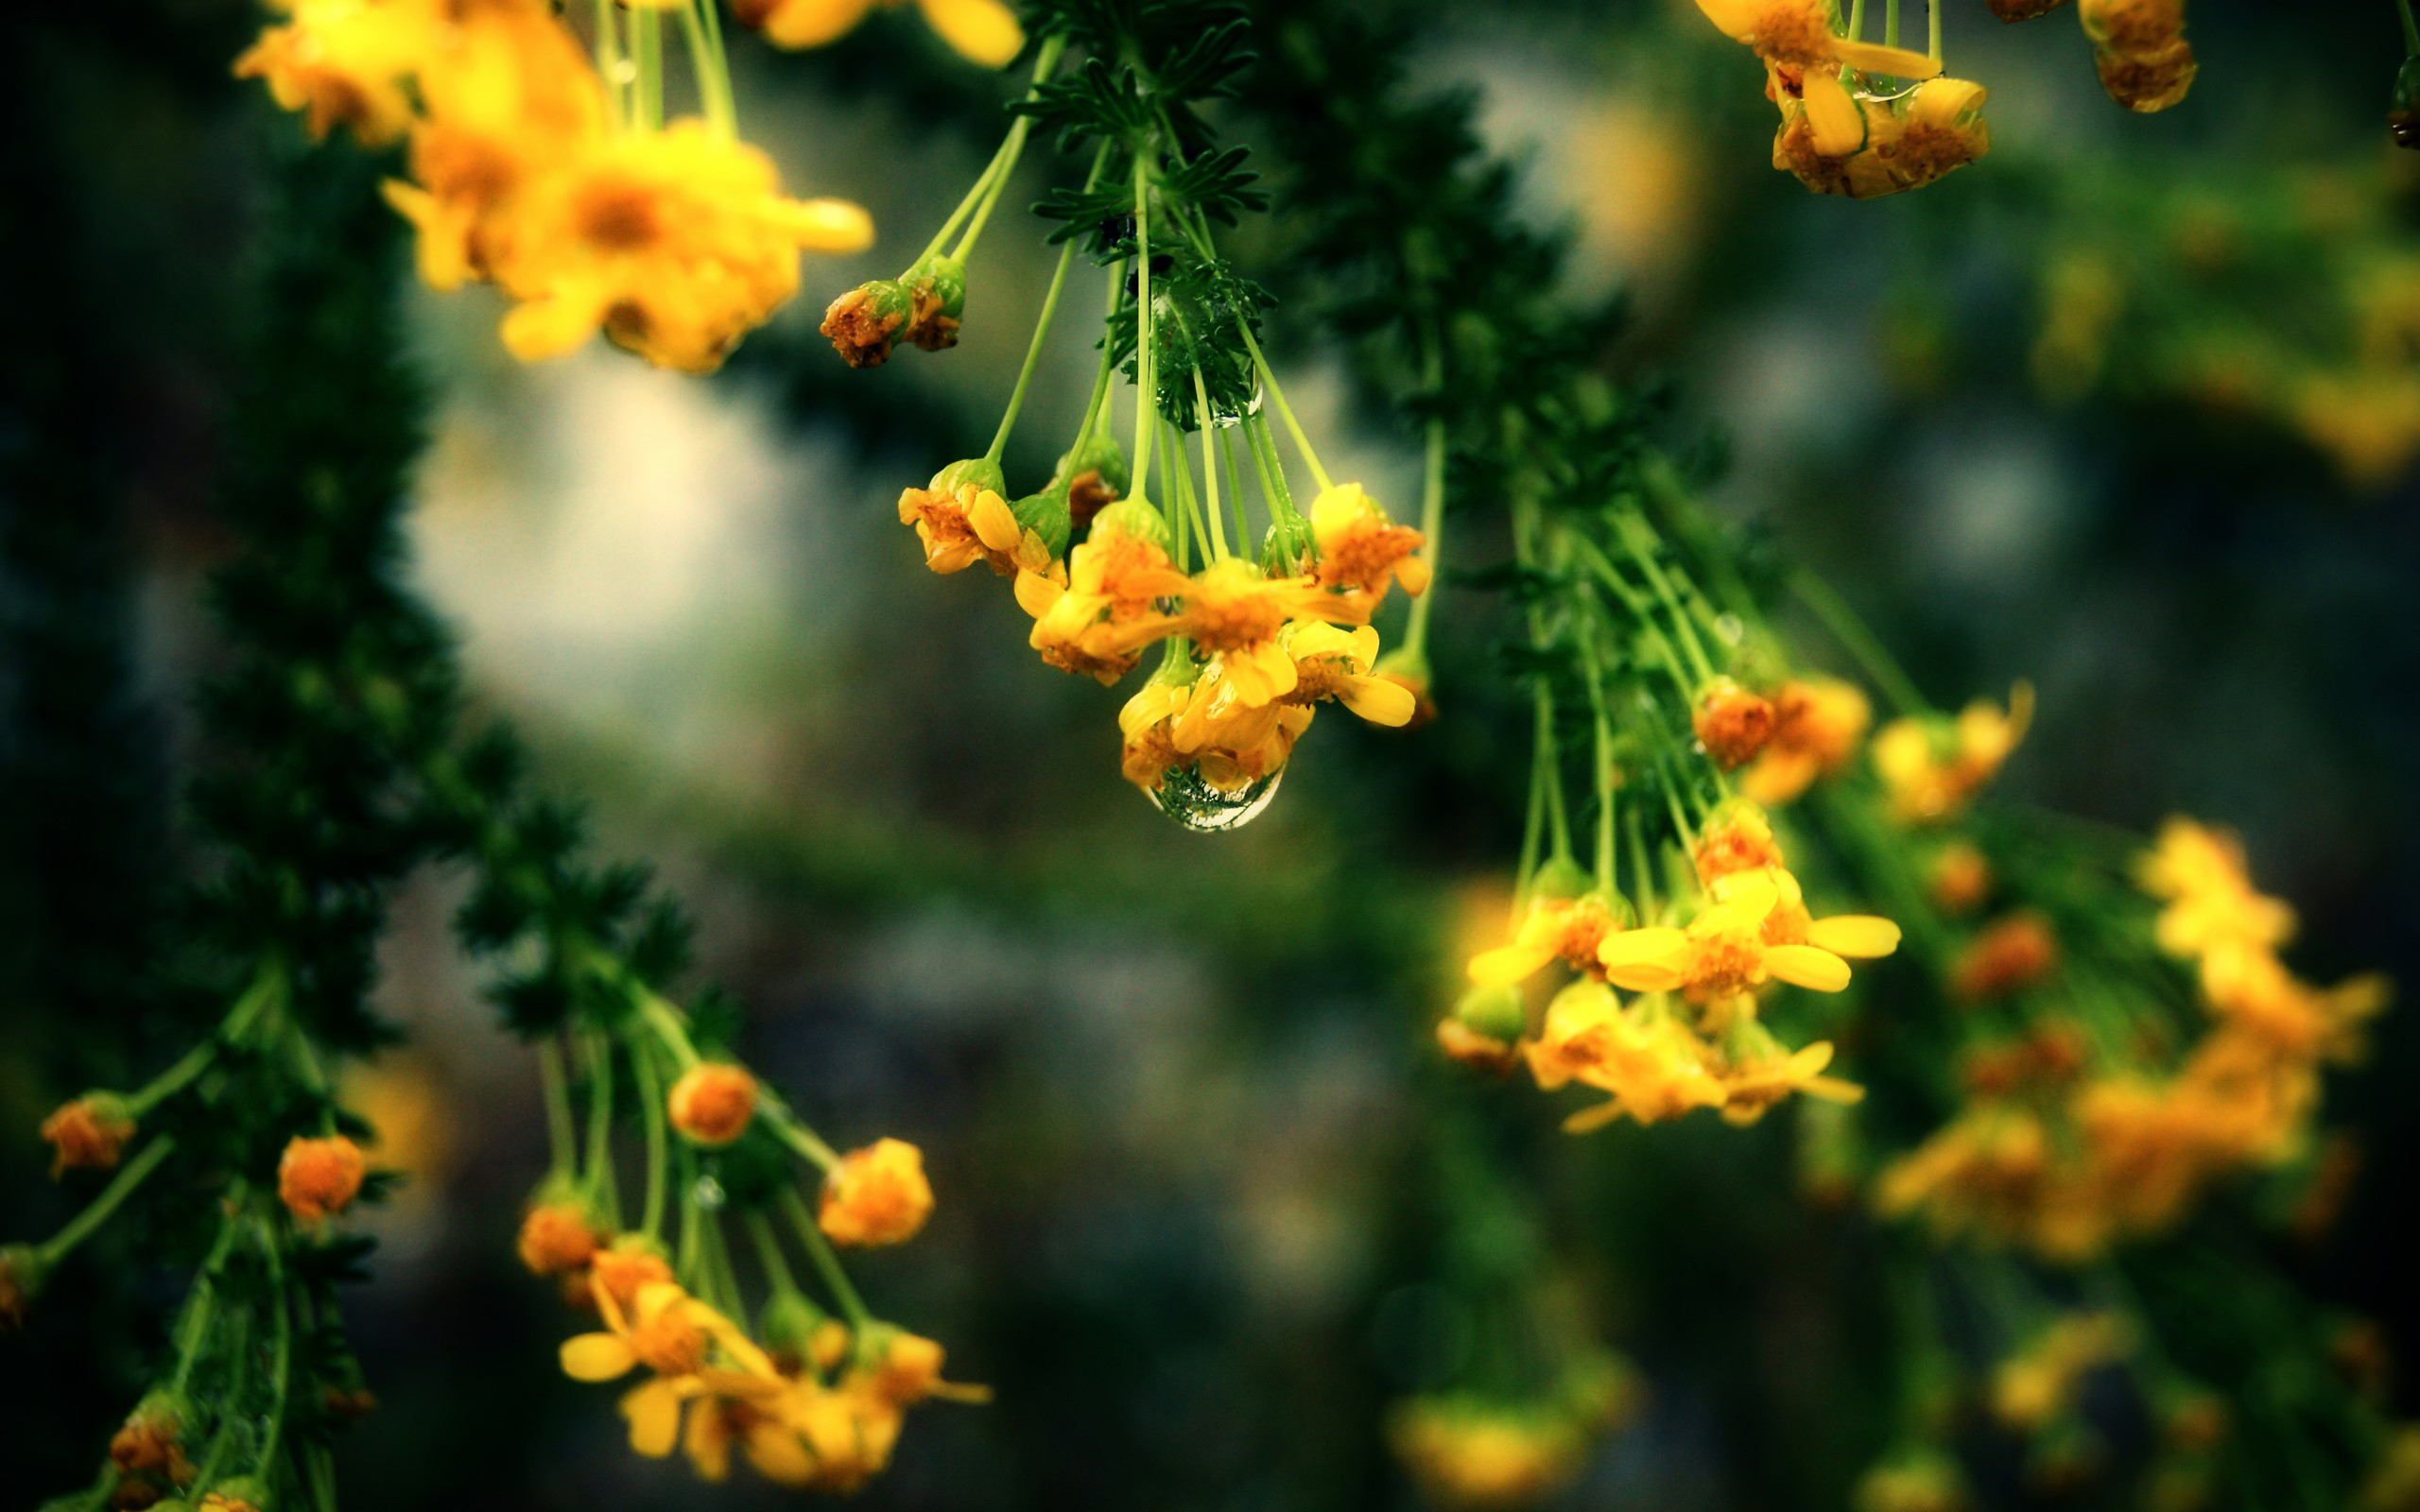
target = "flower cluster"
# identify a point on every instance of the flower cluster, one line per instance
(556, 177)
(1468, 1450)
(2069, 1145)
(1253, 637)
(1864, 119)
(814, 1394)
(1691, 1038)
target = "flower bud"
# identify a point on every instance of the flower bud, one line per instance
(151, 1439)
(245, 1493)
(1096, 477)
(1496, 1012)
(936, 299)
(712, 1104)
(877, 1195)
(1048, 516)
(319, 1177)
(1287, 547)
(1559, 876)
(862, 323)
(1732, 723)
(787, 1324)
(560, 1233)
(88, 1133)
(977, 472)
(622, 1268)
(1136, 520)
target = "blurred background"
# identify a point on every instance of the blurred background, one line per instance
(2130, 408)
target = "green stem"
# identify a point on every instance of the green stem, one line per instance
(1285, 410)
(1932, 9)
(80, 1228)
(1235, 481)
(2411, 29)
(1273, 468)
(562, 1141)
(602, 1188)
(1210, 468)
(1857, 19)
(827, 1263)
(790, 1131)
(647, 35)
(608, 49)
(687, 1258)
(1879, 665)
(768, 1255)
(1097, 408)
(652, 1108)
(1032, 351)
(193, 1330)
(281, 1352)
(1890, 24)
(1433, 493)
(1144, 405)
(707, 64)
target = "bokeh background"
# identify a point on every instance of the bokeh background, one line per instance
(1176, 1090)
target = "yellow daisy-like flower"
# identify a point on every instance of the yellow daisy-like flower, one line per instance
(677, 242)
(678, 1338)
(1361, 550)
(1233, 614)
(346, 63)
(1932, 771)
(1865, 146)
(969, 524)
(1727, 949)
(773, 1449)
(1096, 621)
(1334, 664)
(1800, 31)
(1571, 928)
(1816, 725)
(981, 31)
(2212, 902)
(1230, 743)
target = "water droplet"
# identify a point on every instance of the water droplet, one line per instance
(1731, 627)
(708, 1192)
(1183, 795)
(625, 71)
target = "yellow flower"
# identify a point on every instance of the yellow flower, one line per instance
(87, 1134)
(2041, 1381)
(345, 62)
(1740, 839)
(773, 1449)
(2247, 986)
(2005, 956)
(849, 1430)
(877, 1195)
(1095, 622)
(1361, 550)
(1866, 146)
(1230, 743)
(1234, 614)
(557, 1238)
(1649, 1062)
(712, 1104)
(678, 1338)
(1728, 948)
(317, 1177)
(677, 242)
(968, 523)
(2199, 870)
(1332, 665)
(1932, 771)
(1755, 1083)
(1469, 1453)
(1731, 723)
(507, 96)
(1816, 725)
(2139, 48)
(1571, 928)
(981, 31)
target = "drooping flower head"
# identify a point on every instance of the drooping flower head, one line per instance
(877, 1195)
(317, 1177)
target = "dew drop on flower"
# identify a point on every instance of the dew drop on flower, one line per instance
(1183, 795)
(1731, 628)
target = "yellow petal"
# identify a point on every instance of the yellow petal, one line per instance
(1735, 19)
(1508, 963)
(1870, 58)
(1837, 125)
(994, 523)
(981, 31)
(1589, 1120)
(1805, 965)
(654, 1412)
(813, 23)
(1655, 945)
(779, 1455)
(1861, 937)
(598, 1357)
(553, 327)
(1380, 701)
(1036, 593)
(833, 226)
